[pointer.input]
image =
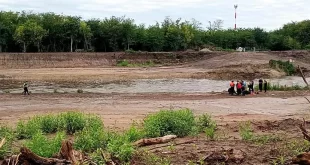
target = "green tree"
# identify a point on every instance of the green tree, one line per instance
(71, 28)
(87, 34)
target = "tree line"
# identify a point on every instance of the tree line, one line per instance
(50, 32)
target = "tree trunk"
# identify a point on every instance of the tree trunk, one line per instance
(38, 45)
(24, 47)
(71, 43)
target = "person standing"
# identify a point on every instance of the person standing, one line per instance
(265, 85)
(239, 87)
(260, 85)
(232, 88)
(26, 88)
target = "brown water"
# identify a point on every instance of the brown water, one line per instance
(155, 86)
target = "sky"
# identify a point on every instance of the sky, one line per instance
(267, 14)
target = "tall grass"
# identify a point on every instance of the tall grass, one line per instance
(126, 63)
(70, 122)
(166, 122)
(278, 87)
(43, 146)
(8, 134)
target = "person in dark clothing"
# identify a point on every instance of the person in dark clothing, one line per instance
(265, 85)
(251, 87)
(260, 85)
(232, 88)
(26, 88)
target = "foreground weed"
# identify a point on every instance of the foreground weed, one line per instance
(91, 137)
(120, 147)
(179, 122)
(264, 139)
(44, 147)
(149, 158)
(26, 130)
(134, 133)
(205, 121)
(245, 130)
(210, 132)
(96, 157)
(73, 121)
(8, 134)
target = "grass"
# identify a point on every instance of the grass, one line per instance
(286, 66)
(277, 87)
(245, 131)
(43, 146)
(165, 122)
(151, 159)
(7, 148)
(70, 122)
(126, 63)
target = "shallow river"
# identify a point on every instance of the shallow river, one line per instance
(157, 85)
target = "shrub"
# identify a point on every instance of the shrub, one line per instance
(134, 133)
(49, 123)
(44, 147)
(96, 157)
(26, 130)
(72, 121)
(205, 121)
(92, 136)
(120, 147)
(166, 122)
(123, 63)
(8, 134)
(245, 131)
(210, 132)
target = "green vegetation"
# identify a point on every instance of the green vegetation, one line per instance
(50, 32)
(245, 131)
(8, 134)
(286, 66)
(166, 122)
(43, 146)
(278, 87)
(125, 63)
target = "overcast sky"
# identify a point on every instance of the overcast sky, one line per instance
(268, 14)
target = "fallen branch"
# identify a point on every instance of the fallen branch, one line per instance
(303, 76)
(304, 158)
(307, 99)
(151, 141)
(304, 131)
(2, 142)
(187, 142)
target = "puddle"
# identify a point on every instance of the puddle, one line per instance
(156, 86)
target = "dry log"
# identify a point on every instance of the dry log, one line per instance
(2, 142)
(304, 158)
(28, 157)
(151, 141)
(303, 76)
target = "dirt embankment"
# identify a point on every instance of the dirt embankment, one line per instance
(199, 65)
(88, 60)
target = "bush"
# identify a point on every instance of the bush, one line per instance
(25, 130)
(120, 147)
(205, 121)
(8, 134)
(166, 122)
(70, 122)
(123, 63)
(134, 133)
(210, 132)
(92, 136)
(40, 145)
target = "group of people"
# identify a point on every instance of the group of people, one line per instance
(243, 88)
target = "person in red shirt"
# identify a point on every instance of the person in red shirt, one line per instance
(232, 88)
(239, 87)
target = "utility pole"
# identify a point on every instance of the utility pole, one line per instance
(236, 6)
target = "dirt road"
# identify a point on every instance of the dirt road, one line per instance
(119, 110)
